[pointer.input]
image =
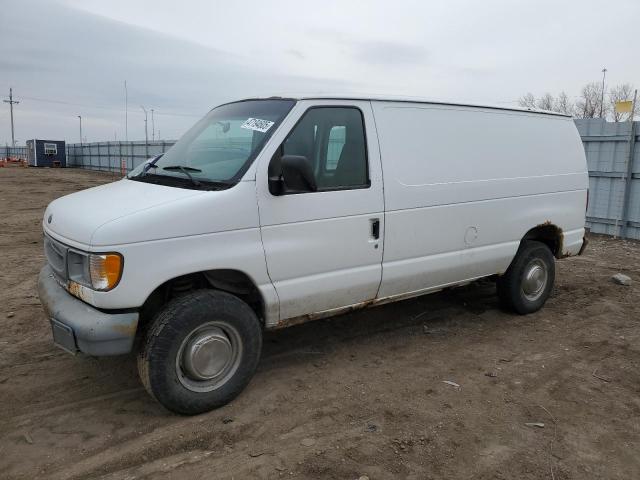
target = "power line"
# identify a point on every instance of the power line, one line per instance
(104, 107)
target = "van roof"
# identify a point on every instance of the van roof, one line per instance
(407, 99)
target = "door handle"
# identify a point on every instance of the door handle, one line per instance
(375, 228)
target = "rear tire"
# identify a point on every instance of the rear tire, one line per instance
(200, 352)
(527, 283)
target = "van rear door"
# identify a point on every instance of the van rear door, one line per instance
(324, 248)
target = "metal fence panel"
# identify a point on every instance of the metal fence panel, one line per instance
(13, 152)
(109, 156)
(608, 146)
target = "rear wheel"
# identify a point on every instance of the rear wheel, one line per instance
(200, 352)
(527, 283)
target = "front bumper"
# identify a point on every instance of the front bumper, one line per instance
(77, 326)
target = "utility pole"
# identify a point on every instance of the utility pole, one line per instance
(11, 101)
(146, 133)
(153, 127)
(604, 74)
(80, 118)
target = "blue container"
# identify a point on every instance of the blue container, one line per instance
(46, 153)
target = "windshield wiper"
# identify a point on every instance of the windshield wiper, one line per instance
(181, 167)
(185, 170)
(150, 165)
(219, 184)
(160, 179)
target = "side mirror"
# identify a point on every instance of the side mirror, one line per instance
(295, 176)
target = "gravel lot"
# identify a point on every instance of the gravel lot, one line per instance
(361, 394)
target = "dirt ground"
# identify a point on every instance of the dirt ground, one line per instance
(361, 394)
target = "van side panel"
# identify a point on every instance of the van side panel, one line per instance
(463, 185)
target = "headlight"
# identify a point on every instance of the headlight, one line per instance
(78, 267)
(105, 270)
(96, 271)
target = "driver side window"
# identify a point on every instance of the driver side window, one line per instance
(333, 140)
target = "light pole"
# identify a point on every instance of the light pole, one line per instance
(126, 113)
(123, 160)
(80, 118)
(146, 133)
(604, 74)
(153, 127)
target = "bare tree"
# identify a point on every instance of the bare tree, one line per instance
(564, 104)
(546, 102)
(528, 101)
(590, 101)
(620, 93)
(561, 104)
(588, 104)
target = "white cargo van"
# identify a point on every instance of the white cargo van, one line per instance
(275, 211)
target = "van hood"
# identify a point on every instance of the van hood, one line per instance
(77, 216)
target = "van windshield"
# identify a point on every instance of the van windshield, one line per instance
(218, 149)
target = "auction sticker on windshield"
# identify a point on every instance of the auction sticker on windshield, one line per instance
(257, 124)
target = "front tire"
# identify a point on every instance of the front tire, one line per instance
(200, 352)
(527, 283)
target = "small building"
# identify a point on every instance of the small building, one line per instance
(46, 153)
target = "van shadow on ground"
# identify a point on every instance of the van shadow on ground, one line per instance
(438, 314)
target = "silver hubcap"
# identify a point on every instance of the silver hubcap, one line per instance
(534, 280)
(208, 356)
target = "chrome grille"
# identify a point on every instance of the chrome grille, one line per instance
(56, 254)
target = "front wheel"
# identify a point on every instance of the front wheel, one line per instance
(527, 283)
(200, 352)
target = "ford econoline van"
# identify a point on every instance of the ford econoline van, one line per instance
(275, 211)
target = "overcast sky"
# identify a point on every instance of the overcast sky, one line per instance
(70, 57)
